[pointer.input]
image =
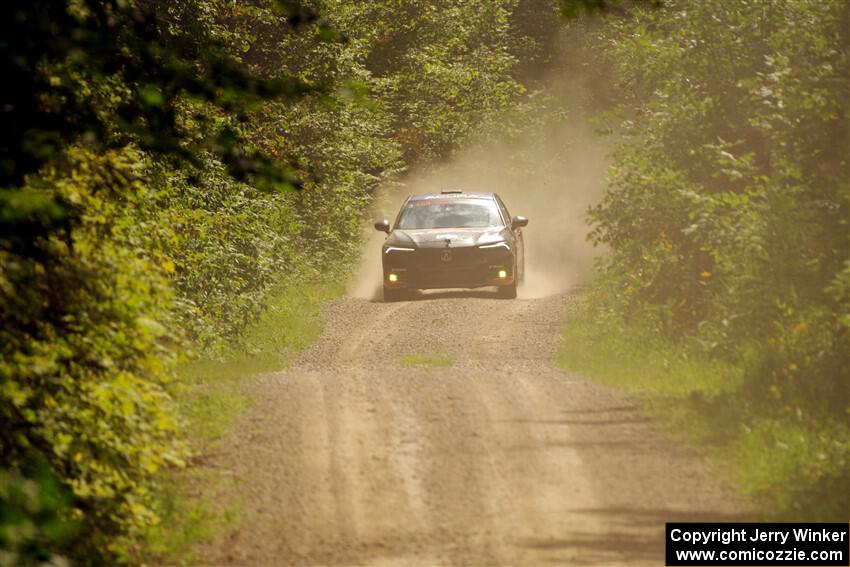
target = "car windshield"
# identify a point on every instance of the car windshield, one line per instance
(449, 213)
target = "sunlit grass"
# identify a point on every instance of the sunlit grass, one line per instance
(794, 466)
(210, 400)
(188, 516)
(800, 467)
(632, 360)
(431, 360)
(292, 321)
(686, 391)
(209, 413)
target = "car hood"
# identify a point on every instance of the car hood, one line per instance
(437, 237)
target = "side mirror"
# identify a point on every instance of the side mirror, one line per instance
(383, 225)
(518, 222)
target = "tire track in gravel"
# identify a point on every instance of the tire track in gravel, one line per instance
(351, 458)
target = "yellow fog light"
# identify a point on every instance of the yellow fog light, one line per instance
(503, 274)
(393, 277)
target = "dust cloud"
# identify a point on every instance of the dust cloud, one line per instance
(551, 173)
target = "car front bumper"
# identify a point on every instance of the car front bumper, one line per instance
(441, 268)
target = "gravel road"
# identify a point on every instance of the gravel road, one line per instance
(354, 458)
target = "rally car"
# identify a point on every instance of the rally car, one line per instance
(452, 239)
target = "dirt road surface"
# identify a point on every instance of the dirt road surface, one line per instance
(354, 458)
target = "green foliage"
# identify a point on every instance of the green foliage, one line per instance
(794, 465)
(727, 222)
(118, 72)
(799, 467)
(596, 342)
(210, 400)
(226, 244)
(187, 518)
(443, 66)
(571, 9)
(32, 524)
(88, 240)
(728, 213)
(146, 158)
(85, 356)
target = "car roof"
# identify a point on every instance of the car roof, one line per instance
(449, 194)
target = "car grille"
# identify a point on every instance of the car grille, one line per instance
(468, 267)
(433, 256)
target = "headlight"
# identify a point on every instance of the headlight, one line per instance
(504, 245)
(389, 249)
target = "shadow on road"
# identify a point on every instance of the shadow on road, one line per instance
(635, 535)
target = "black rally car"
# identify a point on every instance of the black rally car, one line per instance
(452, 240)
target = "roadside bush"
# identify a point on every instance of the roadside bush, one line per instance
(727, 220)
(33, 523)
(797, 466)
(793, 462)
(729, 203)
(226, 245)
(85, 358)
(146, 206)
